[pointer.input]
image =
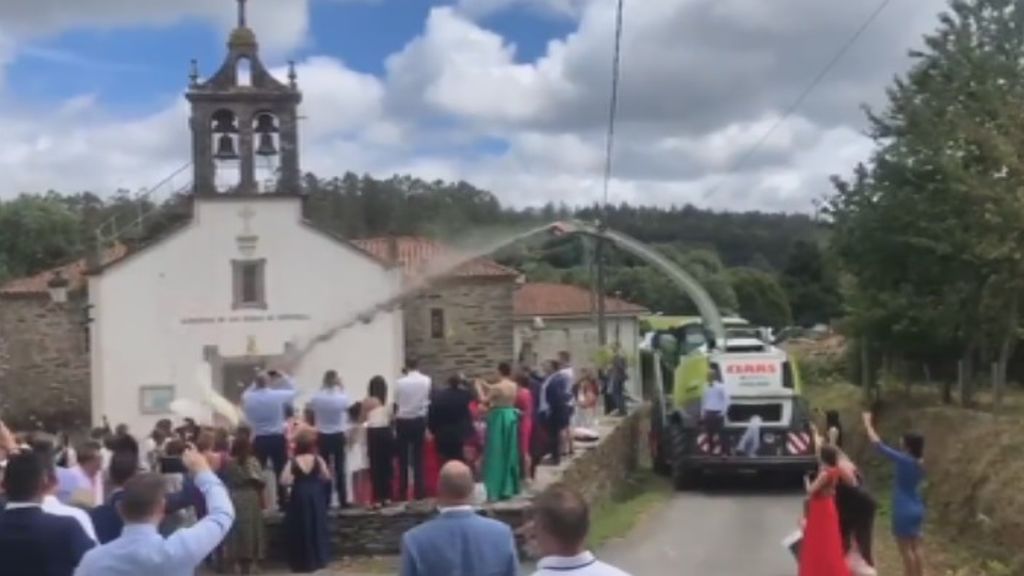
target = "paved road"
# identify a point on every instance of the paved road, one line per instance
(711, 534)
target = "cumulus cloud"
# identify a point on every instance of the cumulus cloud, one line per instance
(282, 25)
(703, 80)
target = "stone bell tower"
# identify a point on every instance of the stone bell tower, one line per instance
(244, 123)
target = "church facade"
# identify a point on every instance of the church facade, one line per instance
(247, 282)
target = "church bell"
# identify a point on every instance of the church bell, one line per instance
(265, 124)
(226, 148)
(266, 146)
(224, 123)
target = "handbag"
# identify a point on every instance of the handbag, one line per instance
(792, 543)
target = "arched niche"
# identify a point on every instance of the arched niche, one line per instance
(224, 133)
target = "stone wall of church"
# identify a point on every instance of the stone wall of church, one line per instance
(44, 364)
(462, 326)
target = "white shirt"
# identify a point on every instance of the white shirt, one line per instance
(412, 395)
(330, 407)
(584, 564)
(715, 399)
(51, 505)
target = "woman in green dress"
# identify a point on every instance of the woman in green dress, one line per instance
(501, 450)
(245, 544)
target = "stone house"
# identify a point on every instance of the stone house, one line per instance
(44, 348)
(550, 318)
(462, 322)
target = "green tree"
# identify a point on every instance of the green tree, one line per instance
(811, 285)
(931, 230)
(761, 298)
(37, 232)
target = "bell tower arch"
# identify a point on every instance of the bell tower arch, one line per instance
(244, 122)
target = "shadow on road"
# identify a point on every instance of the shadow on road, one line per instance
(749, 485)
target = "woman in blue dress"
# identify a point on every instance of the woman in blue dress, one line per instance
(907, 504)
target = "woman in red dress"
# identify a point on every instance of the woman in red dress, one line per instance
(821, 551)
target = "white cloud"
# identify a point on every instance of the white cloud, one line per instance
(282, 24)
(702, 81)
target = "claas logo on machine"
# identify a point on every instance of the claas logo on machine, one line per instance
(752, 369)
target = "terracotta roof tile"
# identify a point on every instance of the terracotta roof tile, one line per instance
(417, 255)
(73, 272)
(547, 299)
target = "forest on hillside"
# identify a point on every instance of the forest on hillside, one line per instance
(767, 267)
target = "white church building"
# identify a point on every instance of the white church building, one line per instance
(242, 283)
(246, 282)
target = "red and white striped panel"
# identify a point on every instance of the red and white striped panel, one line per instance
(704, 445)
(799, 443)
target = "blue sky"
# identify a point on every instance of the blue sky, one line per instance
(134, 69)
(511, 95)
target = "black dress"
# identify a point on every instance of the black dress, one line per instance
(856, 509)
(305, 521)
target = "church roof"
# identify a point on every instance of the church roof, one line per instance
(549, 299)
(75, 273)
(418, 255)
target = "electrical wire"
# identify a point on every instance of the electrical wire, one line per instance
(843, 50)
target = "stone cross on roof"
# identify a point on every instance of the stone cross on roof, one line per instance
(247, 214)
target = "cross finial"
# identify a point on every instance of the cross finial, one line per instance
(241, 13)
(247, 214)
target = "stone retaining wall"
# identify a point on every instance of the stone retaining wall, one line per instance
(597, 471)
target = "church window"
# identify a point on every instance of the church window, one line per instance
(249, 284)
(437, 327)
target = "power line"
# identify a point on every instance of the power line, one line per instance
(806, 92)
(613, 107)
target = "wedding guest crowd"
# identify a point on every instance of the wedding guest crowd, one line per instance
(196, 495)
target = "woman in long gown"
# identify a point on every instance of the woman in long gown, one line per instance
(501, 449)
(821, 551)
(305, 519)
(245, 544)
(907, 505)
(856, 509)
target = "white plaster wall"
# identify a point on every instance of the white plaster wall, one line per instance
(579, 337)
(139, 338)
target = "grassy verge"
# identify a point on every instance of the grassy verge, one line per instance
(617, 517)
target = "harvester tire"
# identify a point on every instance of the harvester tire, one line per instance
(683, 477)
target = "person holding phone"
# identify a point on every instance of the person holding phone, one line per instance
(140, 549)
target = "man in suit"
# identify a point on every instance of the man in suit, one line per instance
(459, 542)
(32, 542)
(450, 420)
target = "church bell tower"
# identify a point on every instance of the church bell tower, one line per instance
(244, 123)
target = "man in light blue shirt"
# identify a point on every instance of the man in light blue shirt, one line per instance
(330, 412)
(713, 407)
(141, 550)
(264, 406)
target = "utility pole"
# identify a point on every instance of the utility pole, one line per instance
(602, 324)
(602, 226)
